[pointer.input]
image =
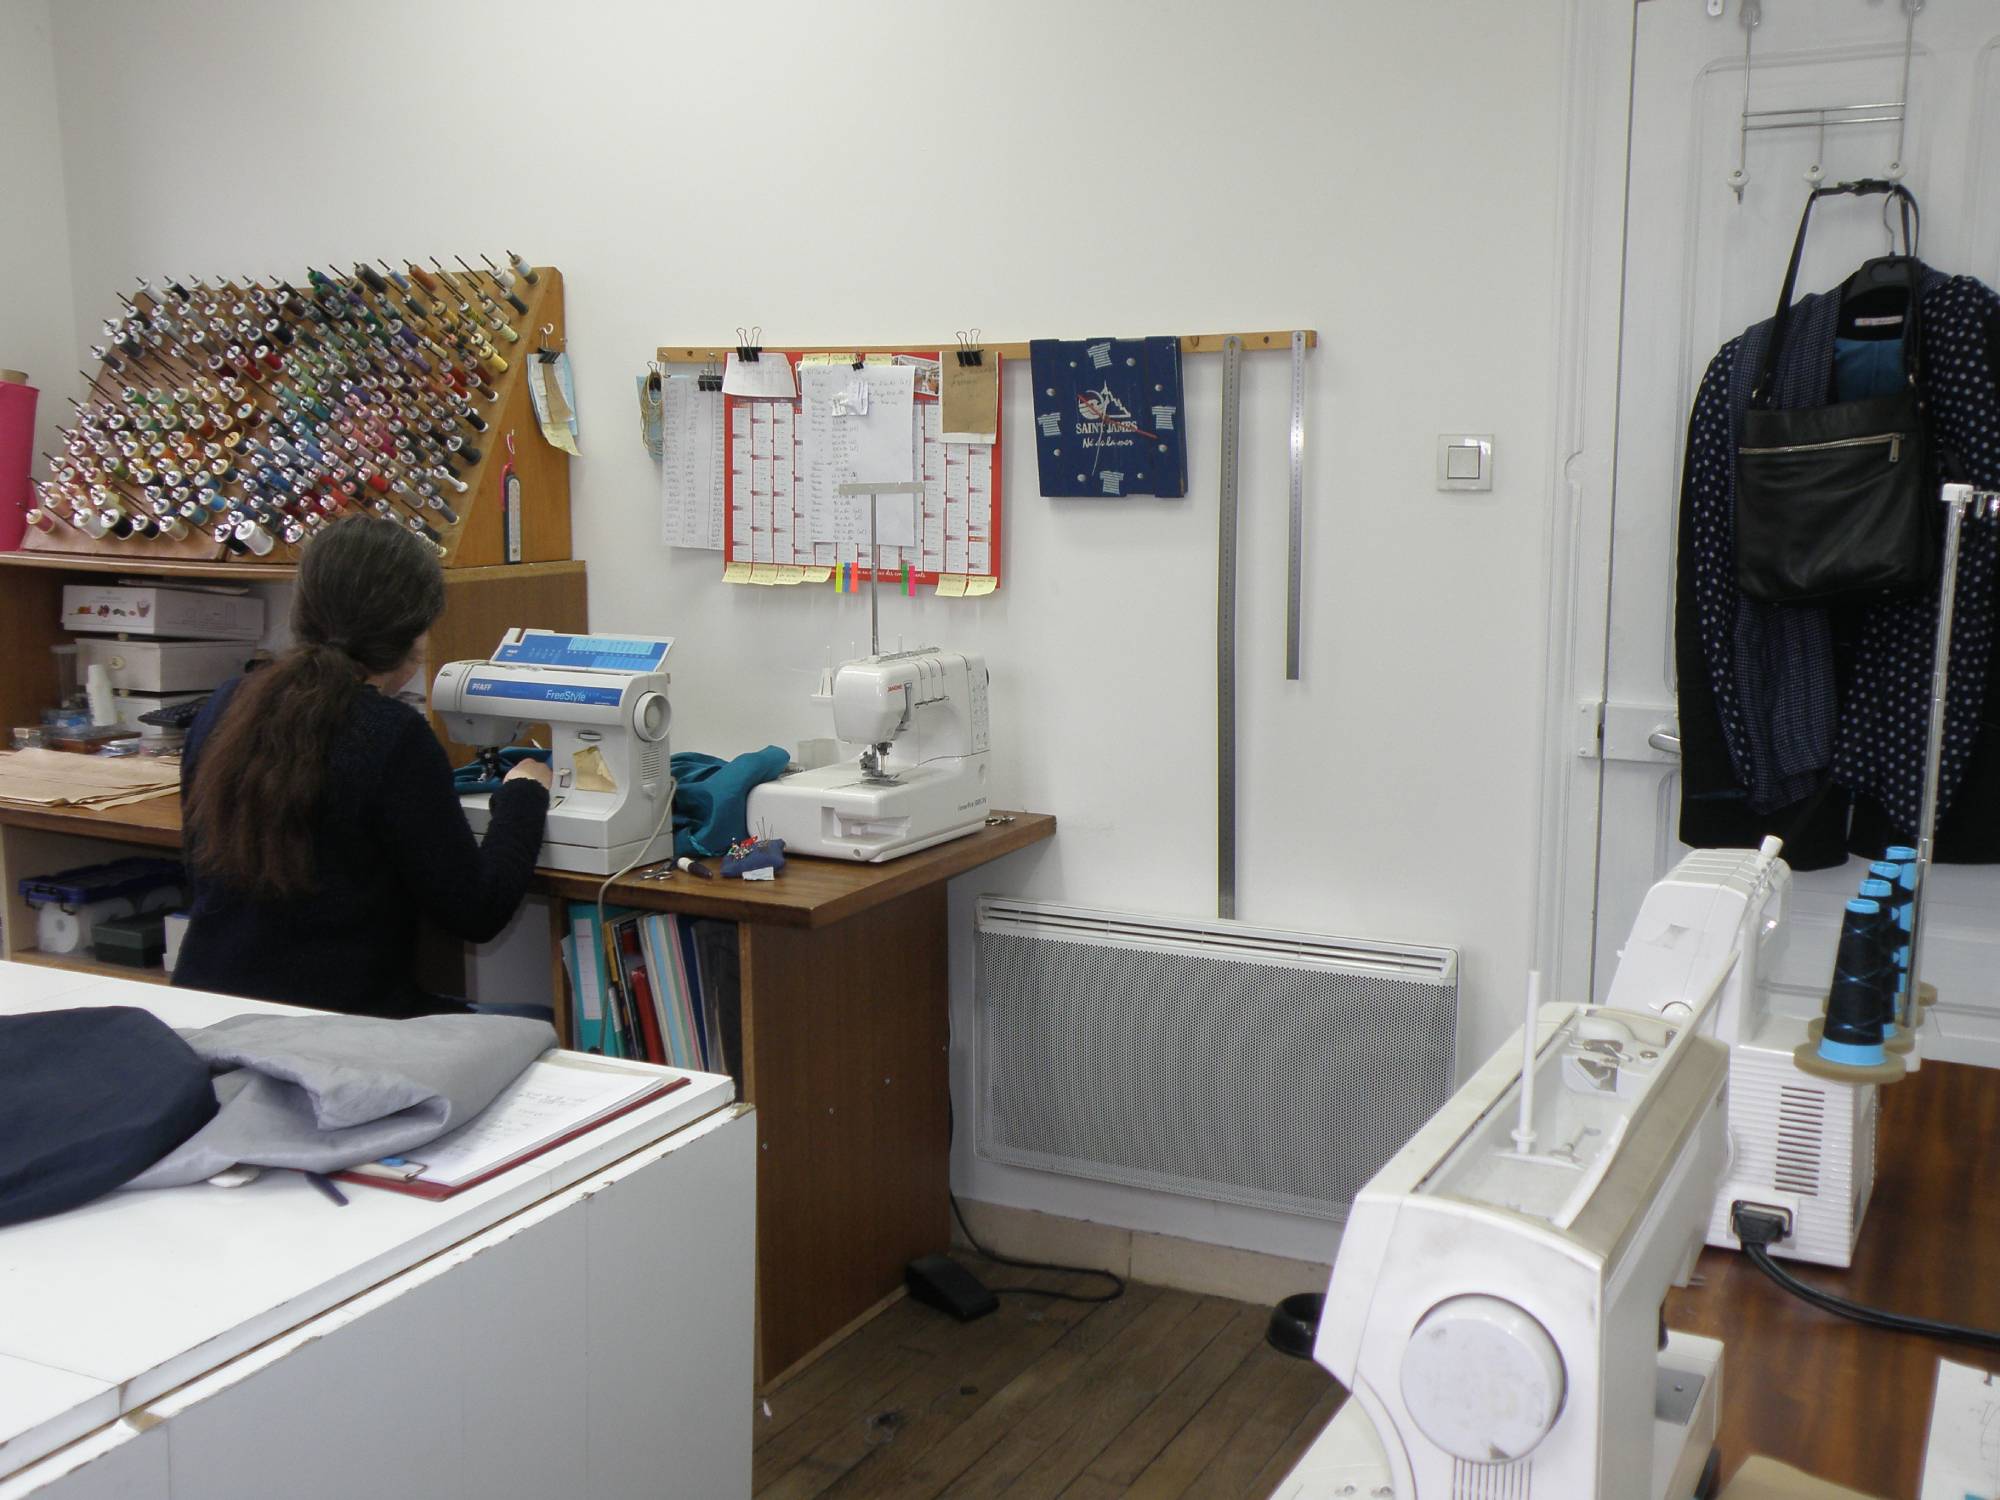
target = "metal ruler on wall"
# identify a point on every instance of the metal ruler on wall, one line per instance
(1225, 592)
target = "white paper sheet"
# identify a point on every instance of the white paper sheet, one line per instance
(554, 1096)
(768, 376)
(691, 464)
(1962, 1460)
(841, 449)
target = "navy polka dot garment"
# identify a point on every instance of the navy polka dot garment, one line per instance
(1785, 719)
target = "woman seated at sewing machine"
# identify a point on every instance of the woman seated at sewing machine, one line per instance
(320, 816)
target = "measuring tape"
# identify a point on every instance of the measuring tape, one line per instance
(1298, 506)
(1225, 635)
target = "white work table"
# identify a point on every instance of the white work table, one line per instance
(120, 1315)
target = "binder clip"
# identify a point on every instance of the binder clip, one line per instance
(710, 378)
(748, 346)
(542, 351)
(860, 360)
(969, 352)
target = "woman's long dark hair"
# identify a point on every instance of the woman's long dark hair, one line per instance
(366, 590)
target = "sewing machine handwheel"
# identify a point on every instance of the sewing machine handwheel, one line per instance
(1482, 1378)
(650, 716)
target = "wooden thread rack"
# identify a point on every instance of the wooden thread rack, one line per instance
(348, 359)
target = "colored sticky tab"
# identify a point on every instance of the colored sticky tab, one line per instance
(980, 583)
(763, 573)
(736, 572)
(951, 585)
(789, 575)
(817, 575)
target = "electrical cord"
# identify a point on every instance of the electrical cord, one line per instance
(1760, 1228)
(610, 950)
(1117, 1281)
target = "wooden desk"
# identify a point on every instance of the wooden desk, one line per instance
(846, 1030)
(1848, 1403)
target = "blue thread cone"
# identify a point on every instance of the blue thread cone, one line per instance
(1853, 1032)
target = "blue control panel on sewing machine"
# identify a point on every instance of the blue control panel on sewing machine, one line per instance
(591, 653)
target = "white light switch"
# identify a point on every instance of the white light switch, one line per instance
(1465, 461)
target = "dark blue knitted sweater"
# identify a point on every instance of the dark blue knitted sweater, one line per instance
(391, 846)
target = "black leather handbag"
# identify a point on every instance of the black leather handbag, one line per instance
(1834, 503)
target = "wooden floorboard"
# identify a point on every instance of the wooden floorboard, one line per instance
(1159, 1393)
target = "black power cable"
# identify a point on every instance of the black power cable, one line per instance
(1117, 1281)
(1758, 1228)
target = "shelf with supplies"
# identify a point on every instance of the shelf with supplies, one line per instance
(77, 964)
(230, 419)
(481, 604)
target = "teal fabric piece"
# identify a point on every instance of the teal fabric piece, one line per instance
(1866, 367)
(712, 795)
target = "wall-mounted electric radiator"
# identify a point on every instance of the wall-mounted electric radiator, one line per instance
(1228, 1062)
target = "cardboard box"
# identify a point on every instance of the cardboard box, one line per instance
(145, 609)
(164, 666)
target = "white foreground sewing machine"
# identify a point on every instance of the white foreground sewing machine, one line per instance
(604, 699)
(920, 778)
(1805, 1144)
(1495, 1309)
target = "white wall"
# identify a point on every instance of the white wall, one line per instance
(37, 331)
(876, 172)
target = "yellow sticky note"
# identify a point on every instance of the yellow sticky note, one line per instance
(980, 583)
(736, 572)
(763, 573)
(951, 585)
(790, 575)
(826, 359)
(817, 575)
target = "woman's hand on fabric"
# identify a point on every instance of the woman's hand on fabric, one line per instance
(530, 770)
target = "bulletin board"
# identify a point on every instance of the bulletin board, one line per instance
(776, 532)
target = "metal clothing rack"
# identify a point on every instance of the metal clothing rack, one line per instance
(1820, 117)
(1962, 503)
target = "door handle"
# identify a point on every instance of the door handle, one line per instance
(1665, 743)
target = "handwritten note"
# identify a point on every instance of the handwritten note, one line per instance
(1962, 1458)
(769, 377)
(553, 1097)
(840, 443)
(691, 464)
(971, 400)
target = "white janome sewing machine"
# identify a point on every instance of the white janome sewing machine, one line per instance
(1495, 1307)
(920, 779)
(604, 699)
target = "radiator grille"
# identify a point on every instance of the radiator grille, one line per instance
(1278, 1070)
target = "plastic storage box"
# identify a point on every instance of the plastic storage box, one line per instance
(137, 942)
(70, 904)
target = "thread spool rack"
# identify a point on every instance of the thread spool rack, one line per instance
(290, 406)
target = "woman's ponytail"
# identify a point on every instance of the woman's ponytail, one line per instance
(367, 589)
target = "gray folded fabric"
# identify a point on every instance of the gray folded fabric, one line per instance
(323, 1093)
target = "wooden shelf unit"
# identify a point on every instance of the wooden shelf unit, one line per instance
(76, 963)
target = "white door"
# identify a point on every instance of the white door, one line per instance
(1700, 266)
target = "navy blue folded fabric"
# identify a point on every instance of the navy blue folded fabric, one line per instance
(89, 1099)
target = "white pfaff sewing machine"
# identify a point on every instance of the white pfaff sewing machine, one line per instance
(920, 778)
(604, 699)
(1495, 1307)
